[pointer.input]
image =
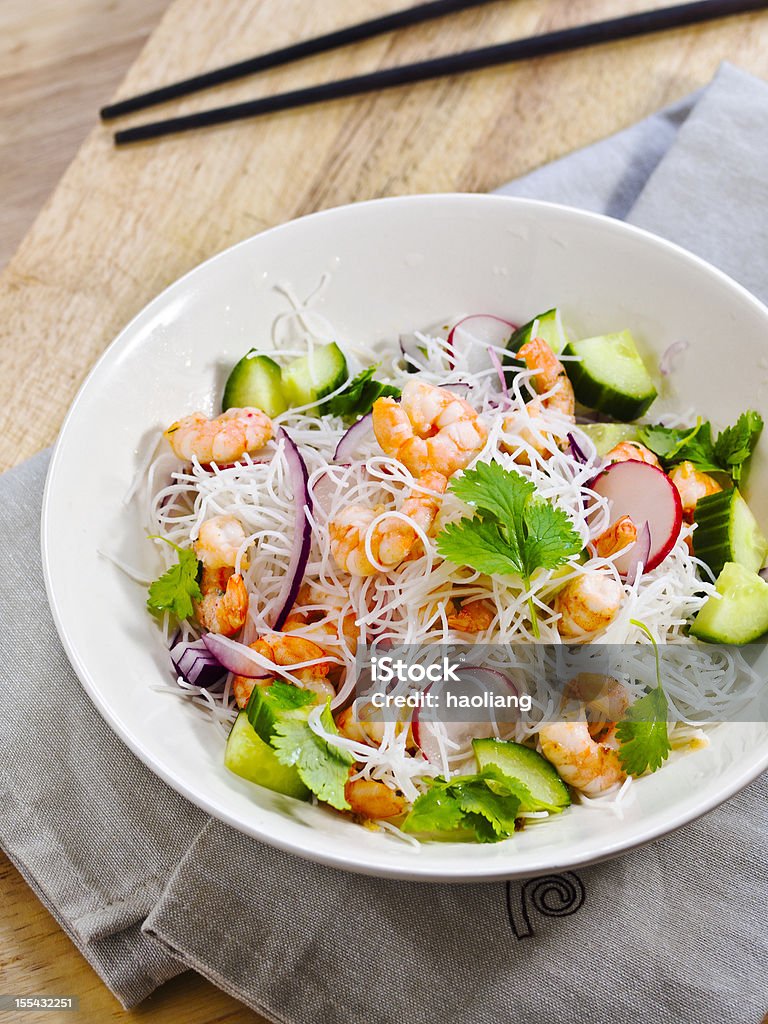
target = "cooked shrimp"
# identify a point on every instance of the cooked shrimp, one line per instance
(219, 541)
(362, 730)
(550, 376)
(322, 630)
(587, 765)
(587, 603)
(223, 439)
(372, 799)
(631, 451)
(224, 604)
(470, 617)
(392, 539)
(691, 485)
(284, 650)
(615, 538)
(429, 429)
(604, 698)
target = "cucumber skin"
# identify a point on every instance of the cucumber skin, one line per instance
(511, 757)
(601, 397)
(523, 334)
(721, 521)
(239, 392)
(249, 757)
(723, 620)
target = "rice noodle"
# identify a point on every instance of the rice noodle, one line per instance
(407, 607)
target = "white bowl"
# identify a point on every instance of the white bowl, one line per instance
(395, 264)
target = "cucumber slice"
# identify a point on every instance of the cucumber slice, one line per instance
(611, 375)
(548, 326)
(726, 531)
(260, 714)
(607, 435)
(251, 758)
(308, 379)
(740, 614)
(548, 791)
(255, 381)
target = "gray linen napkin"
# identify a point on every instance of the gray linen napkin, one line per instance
(670, 933)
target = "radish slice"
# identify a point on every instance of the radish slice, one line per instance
(474, 333)
(646, 495)
(347, 447)
(236, 657)
(427, 732)
(636, 559)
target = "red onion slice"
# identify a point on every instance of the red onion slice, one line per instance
(236, 657)
(576, 450)
(668, 356)
(637, 560)
(302, 532)
(196, 664)
(347, 447)
(496, 363)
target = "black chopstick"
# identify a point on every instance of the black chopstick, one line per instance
(320, 44)
(503, 53)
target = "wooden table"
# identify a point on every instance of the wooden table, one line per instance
(123, 224)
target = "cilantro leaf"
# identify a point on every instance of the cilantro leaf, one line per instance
(483, 805)
(322, 767)
(494, 489)
(358, 396)
(481, 544)
(178, 587)
(550, 537)
(727, 454)
(736, 444)
(513, 533)
(644, 734)
(287, 697)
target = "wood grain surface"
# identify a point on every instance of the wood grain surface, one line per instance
(121, 225)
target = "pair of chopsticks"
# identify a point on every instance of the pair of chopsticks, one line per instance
(563, 40)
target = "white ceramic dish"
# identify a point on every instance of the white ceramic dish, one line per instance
(395, 264)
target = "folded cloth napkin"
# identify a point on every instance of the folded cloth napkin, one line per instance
(147, 886)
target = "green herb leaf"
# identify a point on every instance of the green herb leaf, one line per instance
(514, 533)
(358, 396)
(287, 697)
(735, 445)
(484, 805)
(727, 454)
(178, 587)
(644, 734)
(481, 544)
(322, 766)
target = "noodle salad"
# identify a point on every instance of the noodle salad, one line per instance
(479, 483)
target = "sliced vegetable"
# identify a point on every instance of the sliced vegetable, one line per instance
(268, 703)
(431, 735)
(251, 758)
(196, 664)
(605, 436)
(308, 379)
(473, 334)
(646, 495)
(726, 531)
(548, 326)
(347, 448)
(739, 614)
(610, 375)
(637, 559)
(236, 657)
(546, 790)
(302, 533)
(256, 380)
